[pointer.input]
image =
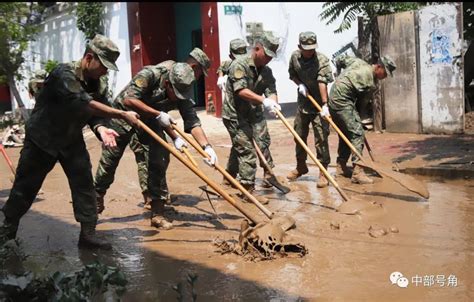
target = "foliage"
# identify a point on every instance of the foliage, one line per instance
(94, 282)
(367, 10)
(50, 65)
(90, 18)
(18, 23)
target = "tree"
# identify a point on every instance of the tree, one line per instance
(18, 23)
(90, 18)
(366, 13)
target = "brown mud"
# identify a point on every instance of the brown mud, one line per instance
(350, 257)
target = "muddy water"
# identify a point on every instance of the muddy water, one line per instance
(345, 262)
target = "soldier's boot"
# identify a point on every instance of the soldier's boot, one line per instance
(322, 181)
(343, 169)
(359, 176)
(301, 169)
(8, 230)
(251, 189)
(100, 201)
(266, 183)
(89, 238)
(146, 200)
(158, 219)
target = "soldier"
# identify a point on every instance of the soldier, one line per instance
(68, 101)
(356, 82)
(153, 92)
(36, 83)
(249, 78)
(310, 70)
(138, 142)
(238, 48)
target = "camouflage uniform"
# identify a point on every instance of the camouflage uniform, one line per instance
(246, 121)
(311, 72)
(35, 82)
(54, 134)
(148, 85)
(238, 48)
(355, 83)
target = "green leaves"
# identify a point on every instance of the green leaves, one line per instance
(367, 10)
(92, 283)
(90, 18)
(18, 24)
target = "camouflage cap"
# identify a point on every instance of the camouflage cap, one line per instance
(389, 65)
(39, 76)
(106, 50)
(308, 40)
(182, 78)
(270, 43)
(202, 58)
(238, 47)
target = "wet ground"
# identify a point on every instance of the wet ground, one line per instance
(350, 257)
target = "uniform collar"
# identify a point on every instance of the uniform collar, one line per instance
(78, 71)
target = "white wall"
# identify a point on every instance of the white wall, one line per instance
(60, 40)
(287, 20)
(442, 83)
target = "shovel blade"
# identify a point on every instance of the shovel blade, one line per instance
(405, 180)
(277, 184)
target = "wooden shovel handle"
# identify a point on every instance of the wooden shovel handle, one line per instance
(232, 180)
(313, 157)
(189, 156)
(9, 162)
(344, 138)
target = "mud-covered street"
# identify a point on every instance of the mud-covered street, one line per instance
(350, 257)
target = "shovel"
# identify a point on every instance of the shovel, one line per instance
(272, 180)
(313, 157)
(9, 162)
(261, 234)
(407, 181)
(366, 142)
(232, 180)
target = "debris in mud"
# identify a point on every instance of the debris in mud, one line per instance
(377, 231)
(13, 136)
(394, 229)
(262, 242)
(335, 225)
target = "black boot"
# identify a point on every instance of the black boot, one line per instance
(8, 230)
(100, 202)
(89, 238)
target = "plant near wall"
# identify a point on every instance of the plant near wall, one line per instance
(90, 18)
(18, 23)
(50, 65)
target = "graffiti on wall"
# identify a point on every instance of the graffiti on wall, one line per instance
(440, 44)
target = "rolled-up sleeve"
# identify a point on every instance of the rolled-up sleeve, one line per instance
(189, 115)
(238, 76)
(325, 72)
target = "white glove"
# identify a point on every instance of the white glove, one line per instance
(179, 143)
(212, 154)
(325, 111)
(165, 120)
(221, 82)
(271, 105)
(302, 90)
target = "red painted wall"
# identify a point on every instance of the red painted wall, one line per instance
(210, 45)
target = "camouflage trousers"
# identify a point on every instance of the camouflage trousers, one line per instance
(243, 158)
(158, 162)
(348, 120)
(110, 158)
(321, 133)
(35, 164)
